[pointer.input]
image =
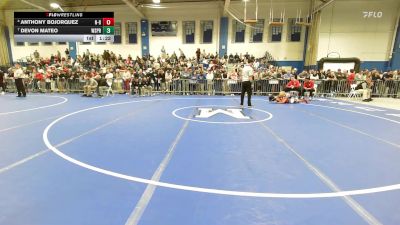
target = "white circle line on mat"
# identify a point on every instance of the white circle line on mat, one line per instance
(174, 113)
(36, 108)
(201, 189)
(346, 110)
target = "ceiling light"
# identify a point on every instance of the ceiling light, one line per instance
(156, 1)
(153, 6)
(54, 5)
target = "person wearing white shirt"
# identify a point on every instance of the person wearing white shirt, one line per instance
(109, 79)
(210, 81)
(168, 80)
(247, 74)
(314, 76)
(19, 83)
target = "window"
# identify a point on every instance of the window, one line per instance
(33, 43)
(257, 32)
(239, 30)
(131, 31)
(276, 31)
(86, 43)
(117, 33)
(47, 43)
(188, 32)
(206, 31)
(294, 33)
(62, 43)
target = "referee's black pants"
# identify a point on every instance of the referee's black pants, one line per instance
(246, 87)
(20, 87)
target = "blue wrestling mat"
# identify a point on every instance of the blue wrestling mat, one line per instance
(196, 160)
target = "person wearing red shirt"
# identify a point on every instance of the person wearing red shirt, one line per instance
(308, 86)
(351, 77)
(40, 79)
(293, 85)
(47, 79)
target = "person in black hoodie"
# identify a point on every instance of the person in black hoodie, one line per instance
(135, 86)
(101, 85)
(161, 80)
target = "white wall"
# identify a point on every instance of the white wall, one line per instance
(193, 12)
(345, 30)
(122, 14)
(282, 51)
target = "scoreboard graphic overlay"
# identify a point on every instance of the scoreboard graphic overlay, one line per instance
(64, 26)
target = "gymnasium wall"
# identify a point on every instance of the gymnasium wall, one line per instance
(282, 51)
(193, 12)
(344, 31)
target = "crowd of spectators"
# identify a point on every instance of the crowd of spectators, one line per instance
(203, 73)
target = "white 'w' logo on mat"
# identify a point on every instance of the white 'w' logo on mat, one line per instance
(209, 112)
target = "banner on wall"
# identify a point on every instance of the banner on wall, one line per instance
(339, 63)
(164, 28)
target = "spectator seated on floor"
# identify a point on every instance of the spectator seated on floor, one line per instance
(293, 85)
(109, 78)
(135, 86)
(308, 86)
(102, 86)
(90, 85)
(146, 87)
(365, 88)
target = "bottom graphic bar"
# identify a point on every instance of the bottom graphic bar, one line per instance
(64, 38)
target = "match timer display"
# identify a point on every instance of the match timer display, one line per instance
(64, 26)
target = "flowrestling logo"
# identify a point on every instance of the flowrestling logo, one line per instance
(372, 14)
(209, 112)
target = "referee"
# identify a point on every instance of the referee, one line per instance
(247, 74)
(19, 83)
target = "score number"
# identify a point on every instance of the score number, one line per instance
(108, 30)
(108, 25)
(108, 21)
